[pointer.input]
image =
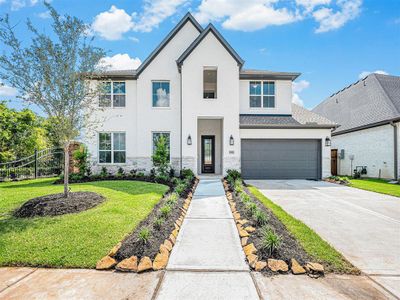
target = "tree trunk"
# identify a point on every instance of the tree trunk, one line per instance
(66, 170)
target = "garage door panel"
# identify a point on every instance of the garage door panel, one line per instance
(281, 159)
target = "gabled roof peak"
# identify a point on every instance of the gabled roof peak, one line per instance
(187, 18)
(210, 28)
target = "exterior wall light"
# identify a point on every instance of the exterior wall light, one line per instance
(189, 140)
(231, 141)
(327, 142)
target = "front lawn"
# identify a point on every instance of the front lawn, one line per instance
(311, 242)
(72, 240)
(376, 185)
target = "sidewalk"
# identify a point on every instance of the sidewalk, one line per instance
(207, 261)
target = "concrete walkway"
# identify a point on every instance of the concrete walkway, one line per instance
(207, 261)
(364, 226)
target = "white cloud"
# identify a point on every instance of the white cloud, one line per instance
(134, 39)
(120, 62)
(366, 73)
(251, 15)
(245, 15)
(111, 24)
(329, 19)
(18, 4)
(154, 12)
(44, 15)
(309, 5)
(298, 87)
(7, 91)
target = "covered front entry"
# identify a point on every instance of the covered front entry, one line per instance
(281, 159)
(209, 151)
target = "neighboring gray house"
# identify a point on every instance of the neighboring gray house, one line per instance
(368, 115)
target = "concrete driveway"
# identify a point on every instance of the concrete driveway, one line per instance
(364, 226)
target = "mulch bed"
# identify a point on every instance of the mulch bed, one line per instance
(132, 246)
(57, 204)
(289, 248)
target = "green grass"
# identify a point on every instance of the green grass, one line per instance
(312, 243)
(72, 240)
(376, 185)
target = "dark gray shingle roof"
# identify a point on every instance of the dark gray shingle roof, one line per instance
(300, 118)
(266, 74)
(373, 99)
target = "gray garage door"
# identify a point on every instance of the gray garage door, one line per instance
(281, 159)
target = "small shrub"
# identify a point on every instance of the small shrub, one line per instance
(152, 173)
(162, 178)
(104, 172)
(187, 173)
(158, 223)
(244, 197)
(252, 208)
(160, 157)
(165, 211)
(81, 159)
(180, 188)
(172, 199)
(144, 235)
(234, 174)
(270, 241)
(133, 172)
(171, 173)
(89, 171)
(260, 217)
(120, 172)
(140, 174)
(237, 186)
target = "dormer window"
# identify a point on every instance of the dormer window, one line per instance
(262, 94)
(210, 83)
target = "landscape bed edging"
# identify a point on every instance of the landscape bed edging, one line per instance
(160, 261)
(313, 270)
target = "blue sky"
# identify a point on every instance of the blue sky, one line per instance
(331, 42)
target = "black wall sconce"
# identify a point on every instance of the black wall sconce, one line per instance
(189, 140)
(327, 142)
(231, 141)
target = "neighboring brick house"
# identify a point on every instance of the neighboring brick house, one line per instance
(368, 115)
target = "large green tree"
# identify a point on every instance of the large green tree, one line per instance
(52, 71)
(21, 132)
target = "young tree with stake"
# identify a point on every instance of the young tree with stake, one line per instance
(53, 72)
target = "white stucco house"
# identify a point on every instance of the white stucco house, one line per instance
(217, 115)
(368, 115)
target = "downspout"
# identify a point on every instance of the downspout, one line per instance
(395, 150)
(181, 145)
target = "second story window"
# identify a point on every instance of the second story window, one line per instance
(210, 83)
(262, 94)
(113, 94)
(161, 94)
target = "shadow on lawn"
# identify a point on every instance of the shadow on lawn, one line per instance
(28, 184)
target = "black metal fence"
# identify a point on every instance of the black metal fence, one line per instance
(43, 163)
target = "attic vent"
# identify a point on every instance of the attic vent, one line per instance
(365, 84)
(337, 100)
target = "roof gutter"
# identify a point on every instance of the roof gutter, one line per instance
(301, 126)
(376, 124)
(395, 158)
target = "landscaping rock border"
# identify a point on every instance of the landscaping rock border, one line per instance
(117, 259)
(247, 231)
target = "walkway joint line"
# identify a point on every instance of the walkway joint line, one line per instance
(19, 280)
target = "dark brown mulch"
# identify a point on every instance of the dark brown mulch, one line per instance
(289, 248)
(131, 244)
(57, 204)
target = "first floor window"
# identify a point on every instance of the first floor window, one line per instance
(262, 94)
(113, 94)
(157, 135)
(160, 90)
(112, 147)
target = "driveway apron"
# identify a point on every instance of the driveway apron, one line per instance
(207, 261)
